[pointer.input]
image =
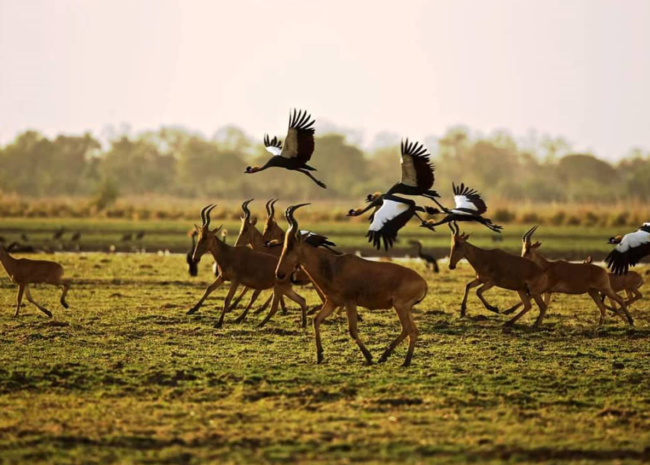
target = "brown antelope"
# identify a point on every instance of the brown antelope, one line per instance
(572, 278)
(240, 265)
(272, 231)
(347, 280)
(24, 272)
(498, 268)
(630, 283)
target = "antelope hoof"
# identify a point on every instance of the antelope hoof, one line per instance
(192, 310)
(383, 358)
(406, 364)
(319, 358)
(239, 320)
(509, 324)
(493, 309)
(48, 313)
(261, 325)
(219, 324)
(64, 304)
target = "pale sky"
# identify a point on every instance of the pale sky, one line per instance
(577, 69)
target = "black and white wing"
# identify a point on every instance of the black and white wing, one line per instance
(417, 170)
(468, 201)
(630, 251)
(299, 143)
(392, 216)
(316, 240)
(273, 146)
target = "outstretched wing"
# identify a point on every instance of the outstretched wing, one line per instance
(388, 220)
(631, 250)
(273, 146)
(468, 201)
(417, 170)
(299, 143)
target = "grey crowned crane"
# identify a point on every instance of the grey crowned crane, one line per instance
(629, 250)
(298, 147)
(417, 173)
(391, 214)
(469, 207)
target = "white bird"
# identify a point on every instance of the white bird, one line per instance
(629, 250)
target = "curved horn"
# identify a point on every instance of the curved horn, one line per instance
(526, 237)
(268, 208)
(203, 214)
(207, 214)
(292, 220)
(273, 207)
(247, 212)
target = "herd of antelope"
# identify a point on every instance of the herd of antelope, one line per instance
(280, 262)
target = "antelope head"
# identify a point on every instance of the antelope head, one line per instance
(528, 249)
(292, 251)
(206, 238)
(458, 245)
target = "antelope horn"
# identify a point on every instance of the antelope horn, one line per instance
(207, 215)
(273, 207)
(203, 214)
(292, 220)
(526, 237)
(247, 212)
(268, 208)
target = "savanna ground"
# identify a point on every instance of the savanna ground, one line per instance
(125, 376)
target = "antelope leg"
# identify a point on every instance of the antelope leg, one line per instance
(19, 299)
(479, 292)
(463, 305)
(351, 310)
(327, 310)
(40, 307)
(218, 282)
(231, 292)
(241, 317)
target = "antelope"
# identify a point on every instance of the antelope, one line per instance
(498, 268)
(572, 278)
(630, 283)
(240, 265)
(272, 231)
(347, 280)
(25, 272)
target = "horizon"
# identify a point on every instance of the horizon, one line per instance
(441, 64)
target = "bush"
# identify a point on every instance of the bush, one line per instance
(558, 219)
(503, 215)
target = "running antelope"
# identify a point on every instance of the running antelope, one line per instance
(240, 265)
(630, 283)
(501, 269)
(347, 280)
(572, 278)
(24, 272)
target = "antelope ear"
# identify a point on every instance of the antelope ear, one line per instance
(254, 222)
(216, 231)
(537, 245)
(197, 228)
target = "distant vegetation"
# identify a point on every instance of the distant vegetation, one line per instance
(183, 164)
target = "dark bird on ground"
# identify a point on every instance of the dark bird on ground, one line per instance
(469, 207)
(193, 266)
(429, 260)
(24, 237)
(417, 173)
(76, 237)
(139, 236)
(58, 234)
(391, 214)
(630, 249)
(126, 237)
(298, 148)
(2, 240)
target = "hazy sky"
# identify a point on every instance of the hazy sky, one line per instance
(580, 69)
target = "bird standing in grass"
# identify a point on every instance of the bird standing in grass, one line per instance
(429, 260)
(298, 148)
(469, 207)
(629, 250)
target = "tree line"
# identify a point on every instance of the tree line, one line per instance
(179, 162)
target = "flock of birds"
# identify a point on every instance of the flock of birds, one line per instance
(57, 242)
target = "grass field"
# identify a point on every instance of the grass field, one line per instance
(125, 376)
(572, 242)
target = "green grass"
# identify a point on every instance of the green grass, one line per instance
(573, 242)
(125, 376)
